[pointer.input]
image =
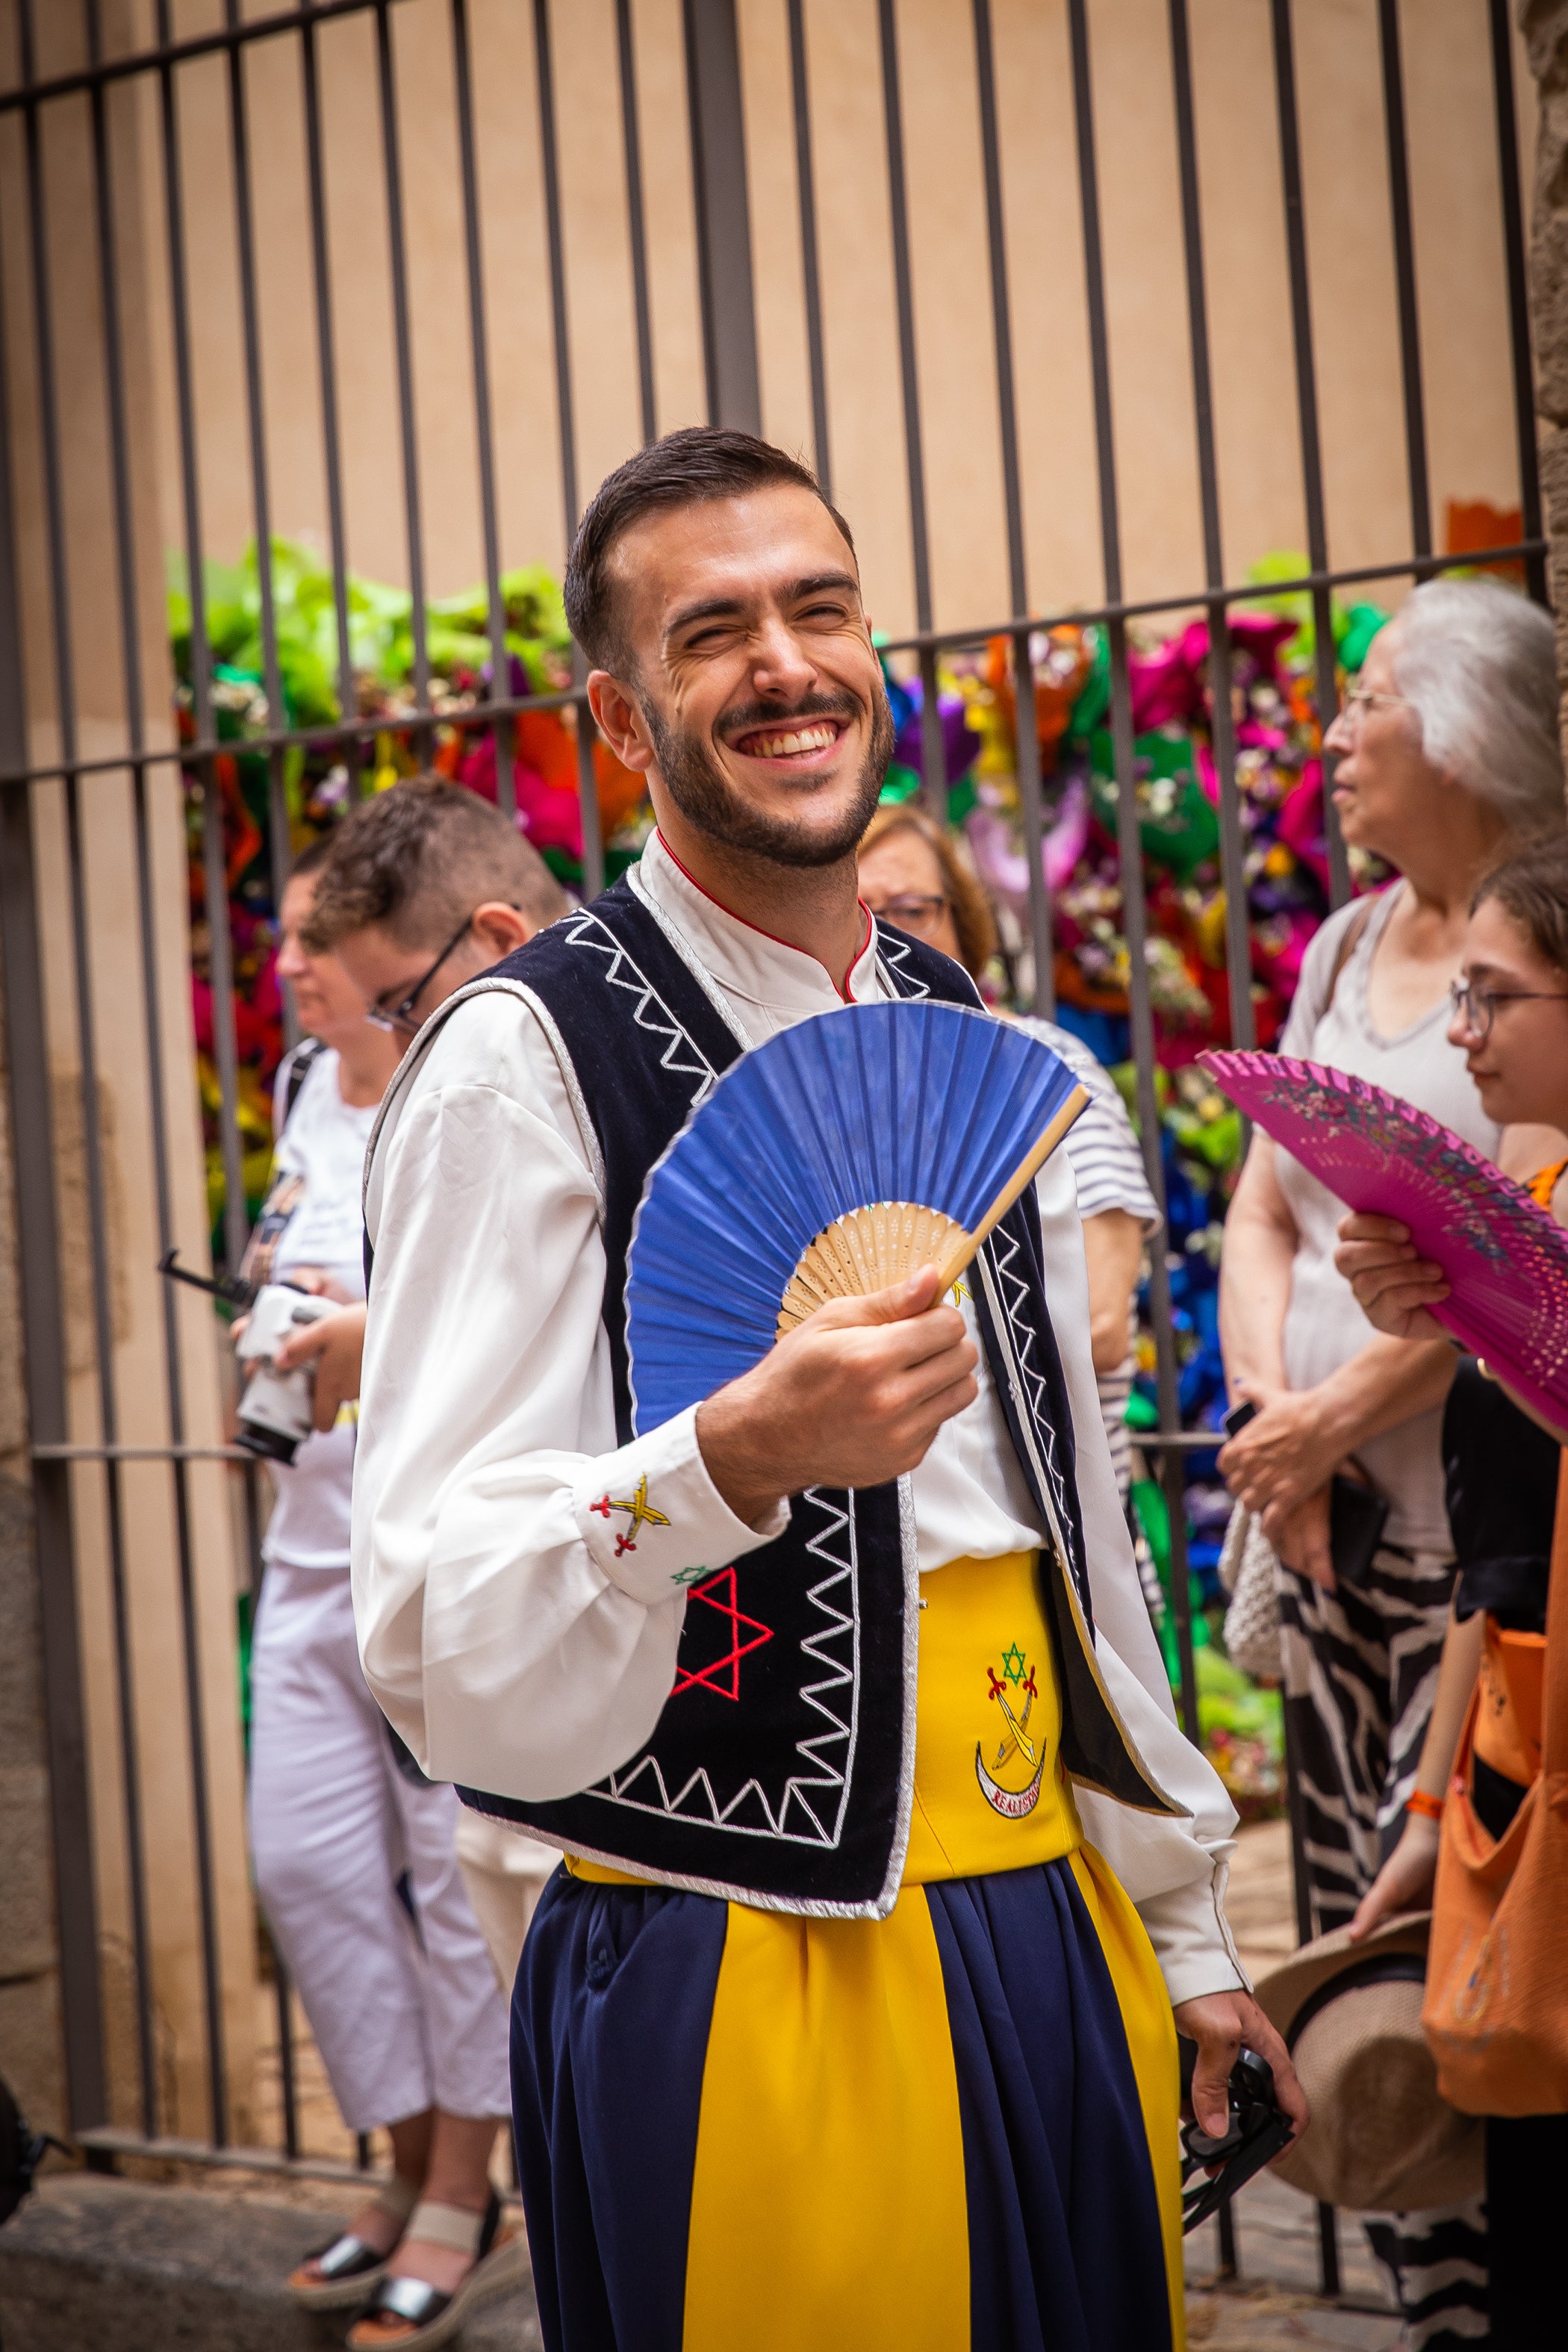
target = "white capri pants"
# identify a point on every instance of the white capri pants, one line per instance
(406, 2011)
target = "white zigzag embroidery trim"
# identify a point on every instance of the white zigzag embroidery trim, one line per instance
(579, 932)
(696, 1802)
(1002, 1250)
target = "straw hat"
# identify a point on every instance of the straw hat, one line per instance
(1383, 2140)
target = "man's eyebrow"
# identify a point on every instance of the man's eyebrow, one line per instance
(718, 608)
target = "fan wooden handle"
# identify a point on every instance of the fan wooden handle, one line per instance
(960, 1250)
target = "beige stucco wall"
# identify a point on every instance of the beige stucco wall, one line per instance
(1457, 238)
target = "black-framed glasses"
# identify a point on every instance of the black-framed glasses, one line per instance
(402, 1015)
(919, 914)
(1477, 1006)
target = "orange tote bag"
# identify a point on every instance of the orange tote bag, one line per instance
(1495, 2011)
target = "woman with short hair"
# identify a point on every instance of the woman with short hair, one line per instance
(1449, 761)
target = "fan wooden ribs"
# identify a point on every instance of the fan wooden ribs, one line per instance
(864, 1250)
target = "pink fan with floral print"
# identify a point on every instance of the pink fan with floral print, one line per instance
(1506, 1260)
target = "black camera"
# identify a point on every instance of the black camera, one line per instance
(1259, 2130)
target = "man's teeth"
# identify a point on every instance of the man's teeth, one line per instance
(779, 747)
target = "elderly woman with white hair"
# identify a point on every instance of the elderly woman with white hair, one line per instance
(1449, 761)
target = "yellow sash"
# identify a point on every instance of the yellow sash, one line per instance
(990, 1789)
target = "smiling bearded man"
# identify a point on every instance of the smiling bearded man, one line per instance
(759, 2101)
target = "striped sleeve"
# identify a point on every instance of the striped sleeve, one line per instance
(1107, 1163)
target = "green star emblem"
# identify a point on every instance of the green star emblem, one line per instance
(687, 1575)
(1013, 1664)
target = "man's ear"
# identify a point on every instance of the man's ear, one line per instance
(502, 928)
(619, 721)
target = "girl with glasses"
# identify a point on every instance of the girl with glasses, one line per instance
(1510, 1022)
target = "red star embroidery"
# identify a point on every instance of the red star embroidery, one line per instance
(718, 1593)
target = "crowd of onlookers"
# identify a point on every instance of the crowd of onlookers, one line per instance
(401, 1922)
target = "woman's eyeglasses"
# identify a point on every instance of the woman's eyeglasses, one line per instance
(402, 1015)
(1360, 705)
(919, 915)
(1477, 1006)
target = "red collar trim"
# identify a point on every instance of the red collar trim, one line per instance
(748, 925)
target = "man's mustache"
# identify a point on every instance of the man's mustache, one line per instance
(755, 715)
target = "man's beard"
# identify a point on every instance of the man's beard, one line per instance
(710, 803)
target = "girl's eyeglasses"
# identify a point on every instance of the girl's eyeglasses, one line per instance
(1476, 1005)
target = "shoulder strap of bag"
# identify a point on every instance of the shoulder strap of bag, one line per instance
(301, 1061)
(1351, 938)
(1554, 1691)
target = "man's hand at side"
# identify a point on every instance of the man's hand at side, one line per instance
(334, 1349)
(1220, 2022)
(852, 1397)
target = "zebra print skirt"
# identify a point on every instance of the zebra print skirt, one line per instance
(1361, 1674)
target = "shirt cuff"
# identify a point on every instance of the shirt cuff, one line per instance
(1191, 1939)
(654, 1521)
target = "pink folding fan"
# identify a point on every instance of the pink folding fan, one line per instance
(1505, 1259)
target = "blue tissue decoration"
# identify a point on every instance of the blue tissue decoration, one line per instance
(926, 1103)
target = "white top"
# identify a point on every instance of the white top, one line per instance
(1108, 1167)
(510, 1643)
(1325, 1327)
(323, 1145)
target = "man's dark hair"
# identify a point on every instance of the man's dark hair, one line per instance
(420, 857)
(701, 461)
(311, 858)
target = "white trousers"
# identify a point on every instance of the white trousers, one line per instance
(399, 1987)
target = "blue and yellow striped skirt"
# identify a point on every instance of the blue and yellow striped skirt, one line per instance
(952, 2127)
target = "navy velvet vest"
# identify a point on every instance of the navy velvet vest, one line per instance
(780, 1772)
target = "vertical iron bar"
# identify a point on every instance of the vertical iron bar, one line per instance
(1232, 833)
(131, 658)
(1404, 274)
(549, 166)
(220, 949)
(588, 804)
(261, 503)
(636, 219)
(1518, 292)
(1307, 416)
(397, 254)
(1026, 737)
(222, 977)
(810, 266)
(1001, 306)
(718, 132)
(1328, 2254)
(327, 367)
(1031, 802)
(934, 745)
(43, 1341)
(287, 2082)
(1226, 2218)
(1130, 847)
(898, 203)
(500, 659)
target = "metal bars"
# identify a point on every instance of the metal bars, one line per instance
(734, 388)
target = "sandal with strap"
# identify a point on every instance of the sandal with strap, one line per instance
(347, 2271)
(424, 2316)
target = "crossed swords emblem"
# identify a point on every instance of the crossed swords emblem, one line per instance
(1018, 1732)
(638, 1509)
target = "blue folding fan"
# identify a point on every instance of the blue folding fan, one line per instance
(836, 1159)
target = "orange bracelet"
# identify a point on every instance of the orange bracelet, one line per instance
(1429, 1808)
